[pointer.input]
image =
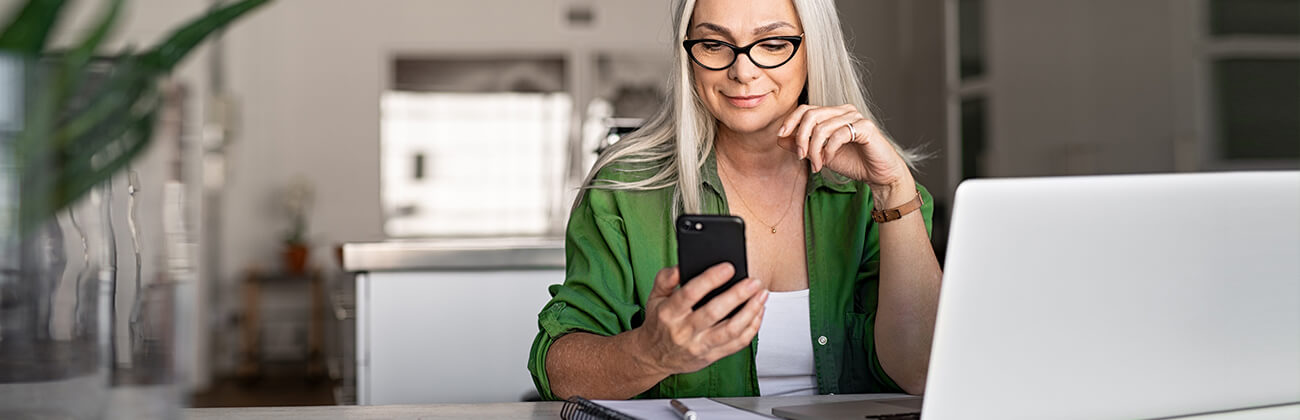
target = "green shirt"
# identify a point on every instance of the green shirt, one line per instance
(617, 241)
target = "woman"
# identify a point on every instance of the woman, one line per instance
(766, 113)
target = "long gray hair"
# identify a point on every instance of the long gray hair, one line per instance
(674, 143)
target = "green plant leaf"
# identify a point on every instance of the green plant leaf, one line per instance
(74, 62)
(114, 98)
(51, 191)
(67, 148)
(79, 181)
(48, 139)
(95, 36)
(52, 119)
(26, 34)
(102, 131)
(171, 51)
(105, 131)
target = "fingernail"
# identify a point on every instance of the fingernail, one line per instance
(781, 133)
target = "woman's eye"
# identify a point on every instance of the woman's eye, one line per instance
(711, 46)
(775, 46)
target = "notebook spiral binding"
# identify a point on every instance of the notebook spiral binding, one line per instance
(578, 408)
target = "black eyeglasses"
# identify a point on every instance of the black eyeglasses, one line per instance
(767, 53)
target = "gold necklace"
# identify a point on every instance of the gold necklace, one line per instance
(751, 211)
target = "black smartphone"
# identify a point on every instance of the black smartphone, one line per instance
(704, 241)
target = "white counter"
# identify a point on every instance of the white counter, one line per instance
(449, 321)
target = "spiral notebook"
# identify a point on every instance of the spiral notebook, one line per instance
(578, 408)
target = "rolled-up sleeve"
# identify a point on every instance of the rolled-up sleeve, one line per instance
(598, 292)
(884, 383)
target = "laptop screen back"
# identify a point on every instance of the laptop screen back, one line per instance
(1119, 297)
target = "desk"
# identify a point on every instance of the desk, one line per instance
(551, 410)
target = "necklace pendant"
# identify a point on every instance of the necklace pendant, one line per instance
(774, 230)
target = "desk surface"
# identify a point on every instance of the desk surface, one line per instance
(551, 410)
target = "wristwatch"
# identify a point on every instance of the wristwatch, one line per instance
(882, 216)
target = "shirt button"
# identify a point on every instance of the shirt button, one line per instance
(821, 340)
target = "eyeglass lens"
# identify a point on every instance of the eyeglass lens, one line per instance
(765, 53)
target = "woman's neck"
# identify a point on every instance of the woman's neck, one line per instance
(754, 155)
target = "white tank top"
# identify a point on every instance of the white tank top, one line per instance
(785, 352)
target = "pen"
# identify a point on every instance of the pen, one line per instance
(682, 410)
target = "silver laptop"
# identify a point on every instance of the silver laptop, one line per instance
(1139, 296)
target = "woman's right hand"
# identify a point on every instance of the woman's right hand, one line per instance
(677, 339)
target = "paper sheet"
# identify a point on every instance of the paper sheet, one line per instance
(705, 409)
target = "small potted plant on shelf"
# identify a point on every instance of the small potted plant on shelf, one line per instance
(298, 197)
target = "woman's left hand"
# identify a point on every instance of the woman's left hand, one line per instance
(822, 135)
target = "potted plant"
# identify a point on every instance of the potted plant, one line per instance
(90, 142)
(297, 203)
(67, 126)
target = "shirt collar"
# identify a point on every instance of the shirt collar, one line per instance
(709, 174)
(826, 179)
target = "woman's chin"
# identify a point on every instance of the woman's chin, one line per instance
(747, 124)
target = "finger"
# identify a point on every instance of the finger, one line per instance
(722, 305)
(741, 340)
(792, 120)
(817, 140)
(841, 135)
(803, 132)
(866, 129)
(695, 289)
(837, 140)
(737, 325)
(789, 144)
(665, 281)
(749, 333)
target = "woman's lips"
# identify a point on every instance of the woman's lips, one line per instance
(745, 101)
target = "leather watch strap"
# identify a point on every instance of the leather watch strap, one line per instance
(882, 216)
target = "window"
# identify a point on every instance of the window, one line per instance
(974, 114)
(968, 101)
(475, 147)
(970, 29)
(1257, 105)
(1251, 83)
(1254, 17)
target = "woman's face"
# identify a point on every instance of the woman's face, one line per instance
(746, 98)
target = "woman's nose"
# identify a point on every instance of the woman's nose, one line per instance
(744, 70)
